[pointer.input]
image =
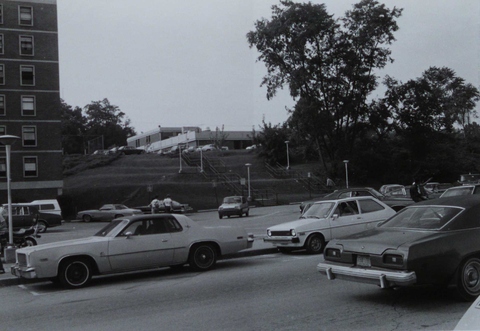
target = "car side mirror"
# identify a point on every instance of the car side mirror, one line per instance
(128, 234)
(334, 216)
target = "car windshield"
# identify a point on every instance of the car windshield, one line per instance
(107, 228)
(457, 191)
(232, 200)
(422, 217)
(319, 210)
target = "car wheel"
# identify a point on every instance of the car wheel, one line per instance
(315, 244)
(246, 214)
(29, 242)
(220, 216)
(468, 279)
(42, 226)
(75, 273)
(202, 257)
(87, 218)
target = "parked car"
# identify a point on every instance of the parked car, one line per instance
(461, 190)
(469, 179)
(431, 242)
(325, 220)
(48, 206)
(396, 203)
(177, 207)
(130, 150)
(131, 243)
(251, 147)
(107, 213)
(394, 190)
(25, 214)
(235, 205)
(208, 148)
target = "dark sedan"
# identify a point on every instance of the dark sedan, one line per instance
(395, 202)
(432, 242)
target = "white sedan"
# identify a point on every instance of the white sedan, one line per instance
(131, 243)
(326, 220)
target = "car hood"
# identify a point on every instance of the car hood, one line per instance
(63, 243)
(303, 222)
(376, 241)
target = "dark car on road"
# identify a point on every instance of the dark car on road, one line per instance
(433, 242)
(24, 215)
(395, 202)
(235, 205)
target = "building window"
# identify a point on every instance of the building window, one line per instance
(2, 74)
(3, 130)
(1, 44)
(28, 105)
(27, 75)
(2, 105)
(29, 136)
(1, 14)
(25, 15)
(3, 167)
(30, 168)
(147, 139)
(26, 45)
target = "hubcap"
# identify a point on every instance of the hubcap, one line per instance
(471, 277)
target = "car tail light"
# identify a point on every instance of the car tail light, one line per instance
(333, 252)
(393, 259)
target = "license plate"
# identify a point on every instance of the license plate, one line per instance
(363, 261)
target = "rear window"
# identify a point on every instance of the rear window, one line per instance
(369, 206)
(457, 191)
(48, 206)
(422, 217)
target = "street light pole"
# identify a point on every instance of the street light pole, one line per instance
(288, 157)
(180, 156)
(248, 180)
(8, 141)
(346, 171)
(201, 160)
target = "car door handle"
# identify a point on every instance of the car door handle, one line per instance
(164, 240)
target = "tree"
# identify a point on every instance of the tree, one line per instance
(104, 119)
(424, 112)
(73, 129)
(272, 139)
(328, 66)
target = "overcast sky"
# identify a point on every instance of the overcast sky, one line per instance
(187, 62)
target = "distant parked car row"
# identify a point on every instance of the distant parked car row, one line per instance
(109, 212)
(126, 150)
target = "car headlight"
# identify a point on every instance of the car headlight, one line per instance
(269, 233)
(293, 233)
(237, 207)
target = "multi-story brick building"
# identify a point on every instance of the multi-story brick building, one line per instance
(30, 99)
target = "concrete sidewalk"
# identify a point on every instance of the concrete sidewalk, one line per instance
(259, 248)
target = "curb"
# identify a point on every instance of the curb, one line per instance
(11, 280)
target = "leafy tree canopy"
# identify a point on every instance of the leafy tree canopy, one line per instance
(328, 65)
(96, 119)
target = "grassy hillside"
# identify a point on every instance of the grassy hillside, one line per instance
(126, 179)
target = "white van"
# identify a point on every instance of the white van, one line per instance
(48, 206)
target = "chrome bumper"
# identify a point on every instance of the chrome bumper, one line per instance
(380, 277)
(28, 273)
